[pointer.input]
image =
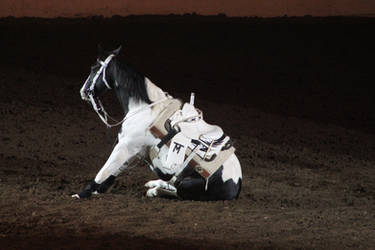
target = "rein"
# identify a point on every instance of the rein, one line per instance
(98, 106)
(129, 115)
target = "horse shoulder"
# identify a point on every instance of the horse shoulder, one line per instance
(135, 130)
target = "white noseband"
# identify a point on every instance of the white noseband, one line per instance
(102, 69)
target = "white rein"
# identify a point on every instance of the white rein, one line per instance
(90, 97)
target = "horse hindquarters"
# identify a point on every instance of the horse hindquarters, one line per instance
(193, 187)
(224, 184)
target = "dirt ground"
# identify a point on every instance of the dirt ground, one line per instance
(296, 94)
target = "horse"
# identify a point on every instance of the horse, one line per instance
(143, 103)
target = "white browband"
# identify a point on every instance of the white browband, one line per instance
(102, 69)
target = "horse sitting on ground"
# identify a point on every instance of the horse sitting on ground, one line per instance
(194, 160)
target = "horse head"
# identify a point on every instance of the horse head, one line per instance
(109, 72)
(99, 80)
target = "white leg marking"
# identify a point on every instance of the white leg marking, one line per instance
(160, 184)
(160, 187)
(152, 192)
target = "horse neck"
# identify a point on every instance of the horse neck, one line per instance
(129, 85)
(134, 104)
(131, 104)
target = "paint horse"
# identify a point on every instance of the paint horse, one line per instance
(194, 160)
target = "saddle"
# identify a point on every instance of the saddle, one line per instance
(206, 145)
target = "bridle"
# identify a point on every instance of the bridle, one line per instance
(87, 94)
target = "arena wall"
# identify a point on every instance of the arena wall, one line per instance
(261, 8)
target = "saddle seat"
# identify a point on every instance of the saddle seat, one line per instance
(189, 121)
(201, 130)
(209, 132)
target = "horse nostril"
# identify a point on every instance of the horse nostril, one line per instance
(90, 92)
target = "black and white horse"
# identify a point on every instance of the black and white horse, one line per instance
(142, 102)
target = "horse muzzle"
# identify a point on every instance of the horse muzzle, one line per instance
(85, 95)
(86, 90)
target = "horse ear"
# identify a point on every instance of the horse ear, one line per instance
(117, 51)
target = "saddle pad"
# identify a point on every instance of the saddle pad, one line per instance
(208, 168)
(157, 128)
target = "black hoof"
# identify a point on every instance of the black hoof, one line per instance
(88, 190)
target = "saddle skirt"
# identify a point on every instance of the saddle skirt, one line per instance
(206, 145)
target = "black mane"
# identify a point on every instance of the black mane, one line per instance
(128, 83)
(133, 81)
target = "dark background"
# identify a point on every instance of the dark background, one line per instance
(315, 68)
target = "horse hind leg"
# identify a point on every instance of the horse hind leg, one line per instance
(160, 188)
(194, 187)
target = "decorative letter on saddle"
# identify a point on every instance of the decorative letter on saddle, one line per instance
(186, 139)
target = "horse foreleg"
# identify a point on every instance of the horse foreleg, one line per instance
(115, 164)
